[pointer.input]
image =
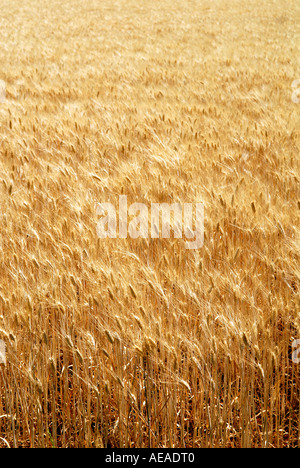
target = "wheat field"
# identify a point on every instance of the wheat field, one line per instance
(139, 343)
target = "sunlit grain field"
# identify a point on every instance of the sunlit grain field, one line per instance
(141, 342)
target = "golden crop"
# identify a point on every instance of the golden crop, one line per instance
(141, 342)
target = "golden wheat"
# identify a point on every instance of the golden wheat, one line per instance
(141, 342)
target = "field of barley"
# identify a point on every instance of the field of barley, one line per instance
(139, 343)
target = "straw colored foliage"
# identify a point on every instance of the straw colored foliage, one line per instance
(141, 342)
